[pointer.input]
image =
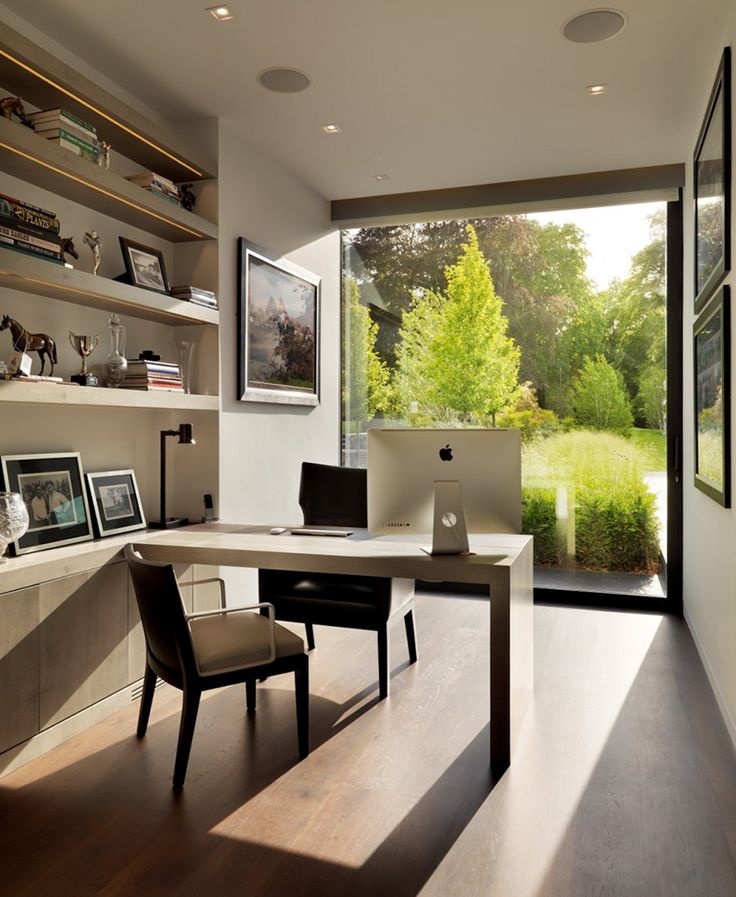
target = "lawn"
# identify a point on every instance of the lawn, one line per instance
(653, 444)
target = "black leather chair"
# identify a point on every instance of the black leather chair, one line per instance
(196, 652)
(337, 496)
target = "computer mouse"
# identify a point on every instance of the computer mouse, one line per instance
(277, 530)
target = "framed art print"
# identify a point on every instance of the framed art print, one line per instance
(278, 329)
(712, 187)
(144, 266)
(52, 487)
(116, 502)
(712, 351)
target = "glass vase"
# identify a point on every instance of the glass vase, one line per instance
(13, 520)
(116, 365)
(186, 355)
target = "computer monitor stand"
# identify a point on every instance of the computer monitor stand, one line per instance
(449, 531)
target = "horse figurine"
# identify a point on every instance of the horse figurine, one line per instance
(23, 341)
(10, 106)
(67, 248)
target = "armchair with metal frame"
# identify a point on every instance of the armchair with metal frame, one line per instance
(196, 652)
(337, 496)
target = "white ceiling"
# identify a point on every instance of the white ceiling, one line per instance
(435, 93)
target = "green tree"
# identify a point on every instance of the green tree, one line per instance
(652, 397)
(599, 397)
(455, 352)
(367, 390)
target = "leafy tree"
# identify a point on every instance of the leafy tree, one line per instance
(599, 397)
(368, 388)
(652, 397)
(455, 353)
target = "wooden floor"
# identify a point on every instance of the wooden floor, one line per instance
(624, 782)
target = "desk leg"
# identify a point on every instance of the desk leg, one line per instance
(512, 656)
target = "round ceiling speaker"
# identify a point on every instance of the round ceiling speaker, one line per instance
(283, 80)
(594, 25)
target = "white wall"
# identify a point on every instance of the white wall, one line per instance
(262, 446)
(709, 561)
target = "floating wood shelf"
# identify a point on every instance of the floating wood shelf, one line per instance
(14, 392)
(26, 155)
(42, 278)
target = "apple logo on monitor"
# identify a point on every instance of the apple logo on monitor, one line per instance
(446, 453)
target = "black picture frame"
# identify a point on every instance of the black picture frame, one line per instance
(712, 398)
(116, 502)
(144, 266)
(278, 329)
(712, 188)
(52, 486)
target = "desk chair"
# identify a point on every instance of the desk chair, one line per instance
(337, 496)
(196, 652)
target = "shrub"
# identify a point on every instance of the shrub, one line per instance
(526, 415)
(539, 519)
(600, 399)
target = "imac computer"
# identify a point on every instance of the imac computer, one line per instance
(444, 482)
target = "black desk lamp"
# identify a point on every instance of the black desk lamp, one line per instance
(185, 438)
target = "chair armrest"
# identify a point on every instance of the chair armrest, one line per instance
(238, 610)
(201, 582)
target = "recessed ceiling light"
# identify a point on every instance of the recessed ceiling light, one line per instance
(594, 25)
(595, 90)
(331, 129)
(221, 13)
(281, 79)
(381, 177)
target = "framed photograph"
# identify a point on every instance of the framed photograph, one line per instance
(712, 366)
(278, 329)
(52, 487)
(144, 266)
(116, 502)
(712, 187)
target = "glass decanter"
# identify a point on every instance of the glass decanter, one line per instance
(13, 520)
(116, 365)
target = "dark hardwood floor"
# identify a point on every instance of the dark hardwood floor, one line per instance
(624, 782)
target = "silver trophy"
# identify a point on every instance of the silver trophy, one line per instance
(84, 346)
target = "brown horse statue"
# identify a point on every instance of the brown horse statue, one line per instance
(67, 248)
(10, 106)
(23, 341)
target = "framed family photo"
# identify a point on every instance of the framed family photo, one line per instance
(52, 487)
(712, 365)
(144, 266)
(278, 329)
(712, 188)
(116, 502)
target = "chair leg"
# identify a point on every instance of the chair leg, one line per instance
(250, 695)
(383, 670)
(310, 636)
(301, 689)
(189, 708)
(149, 684)
(411, 636)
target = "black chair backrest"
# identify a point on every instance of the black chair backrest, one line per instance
(162, 614)
(333, 496)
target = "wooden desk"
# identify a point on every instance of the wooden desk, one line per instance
(503, 563)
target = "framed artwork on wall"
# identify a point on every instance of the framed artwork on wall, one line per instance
(52, 487)
(712, 366)
(116, 502)
(278, 329)
(712, 188)
(144, 266)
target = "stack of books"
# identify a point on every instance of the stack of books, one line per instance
(68, 131)
(158, 185)
(197, 295)
(153, 375)
(28, 229)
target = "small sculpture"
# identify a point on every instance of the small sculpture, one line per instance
(103, 160)
(84, 346)
(92, 239)
(23, 341)
(13, 106)
(188, 199)
(67, 248)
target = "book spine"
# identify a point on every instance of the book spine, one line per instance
(166, 196)
(28, 214)
(76, 140)
(25, 249)
(30, 240)
(136, 370)
(86, 153)
(61, 130)
(22, 227)
(151, 179)
(60, 117)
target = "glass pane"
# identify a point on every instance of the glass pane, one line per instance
(552, 323)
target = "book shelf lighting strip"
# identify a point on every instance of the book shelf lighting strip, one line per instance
(121, 199)
(100, 112)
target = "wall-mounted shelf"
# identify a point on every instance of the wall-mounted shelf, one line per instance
(13, 392)
(42, 278)
(31, 72)
(32, 158)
